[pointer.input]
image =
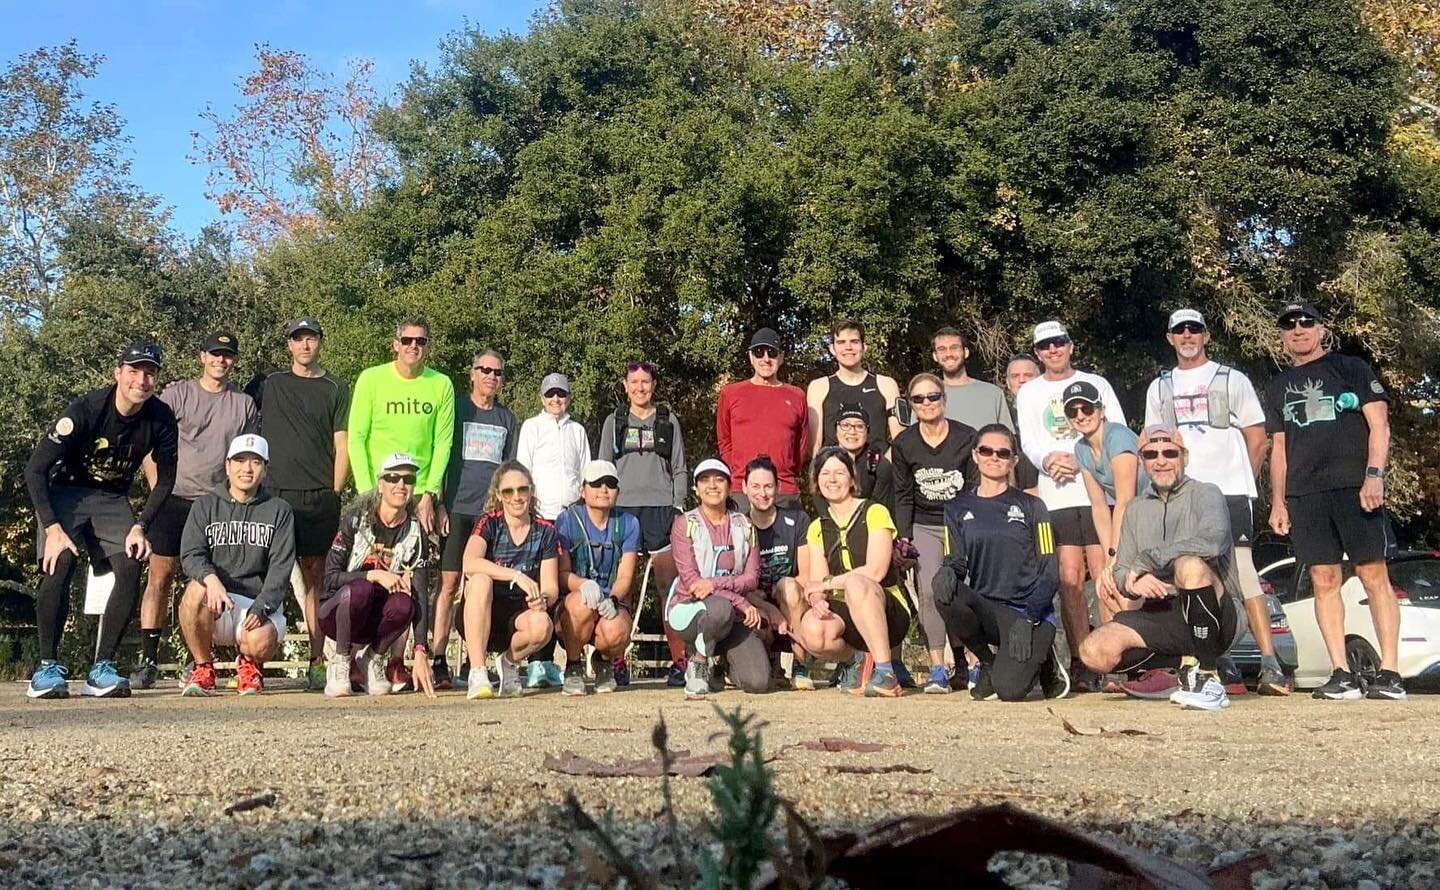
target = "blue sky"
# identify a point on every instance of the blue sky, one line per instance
(166, 59)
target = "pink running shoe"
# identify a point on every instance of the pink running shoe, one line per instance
(1152, 685)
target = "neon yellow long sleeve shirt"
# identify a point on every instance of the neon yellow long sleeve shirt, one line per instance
(389, 413)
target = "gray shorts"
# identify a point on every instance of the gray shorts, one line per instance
(95, 520)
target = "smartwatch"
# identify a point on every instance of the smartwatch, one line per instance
(1374, 473)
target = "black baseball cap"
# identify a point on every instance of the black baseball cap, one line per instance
(1081, 391)
(140, 354)
(764, 337)
(304, 323)
(852, 412)
(1298, 307)
(221, 341)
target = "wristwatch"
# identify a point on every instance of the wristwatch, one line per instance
(1374, 473)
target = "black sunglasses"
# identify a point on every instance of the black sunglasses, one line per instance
(1155, 453)
(1188, 327)
(605, 482)
(556, 393)
(764, 352)
(488, 371)
(398, 478)
(921, 398)
(414, 341)
(1052, 343)
(1075, 409)
(1301, 321)
(987, 451)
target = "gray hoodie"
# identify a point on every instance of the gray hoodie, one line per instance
(249, 546)
(1192, 521)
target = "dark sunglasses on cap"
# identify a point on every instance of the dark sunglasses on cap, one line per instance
(1052, 343)
(414, 341)
(398, 478)
(510, 492)
(1188, 327)
(488, 371)
(605, 482)
(1300, 321)
(1075, 409)
(987, 451)
(640, 366)
(921, 398)
(556, 393)
(765, 352)
(1170, 453)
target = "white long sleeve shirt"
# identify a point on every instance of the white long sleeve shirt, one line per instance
(555, 451)
(1045, 429)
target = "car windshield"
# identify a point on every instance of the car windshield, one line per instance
(1420, 579)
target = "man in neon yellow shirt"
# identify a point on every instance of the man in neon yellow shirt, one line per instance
(406, 407)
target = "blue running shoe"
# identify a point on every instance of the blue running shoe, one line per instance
(48, 681)
(939, 681)
(544, 674)
(104, 681)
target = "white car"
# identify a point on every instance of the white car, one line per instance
(1414, 575)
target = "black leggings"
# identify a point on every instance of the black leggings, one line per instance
(978, 623)
(52, 604)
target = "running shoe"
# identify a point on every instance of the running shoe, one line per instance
(201, 681)
(1211, 696)
(1386, 685)
(398, 675)
(1154, 685)
(544, 674)
(337, 676)
(1113, 684)
(104, 681)
(1188, 678)
(144, 676)
(883, 684)
(182, 679)
(847, 674)
(1230, 676)
(939, 681)
(510, 685)
(1343, 686)
(719, 675)
(778, 678)
(1054, 679)
(1272, 682)
(574, 679)
(982, 689)
(317, 676)
(902, 673)
(441, 670)
(677, 675)
(49, 681)
(478, 683)
(800, 676)
(697, 677)
(606, 677)
(250, 681)
(621, 670)
(1082, 679)
(376, 683)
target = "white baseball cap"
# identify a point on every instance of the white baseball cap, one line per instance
(711, 465)
(249, 444)
(1049, 330)
(396, 461)
(1180, 316)
(596, 470)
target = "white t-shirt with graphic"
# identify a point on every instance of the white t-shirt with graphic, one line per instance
(1044, 428)
(1217, 456)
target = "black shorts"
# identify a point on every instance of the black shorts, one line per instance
(897, 621)
(504, 610)
(1162, 625)
(1074, 527)
(462, 526)
(655, 525)
(95, 520)
(1242, 519)
(317, 517)
(1326, 526)
(164, 533)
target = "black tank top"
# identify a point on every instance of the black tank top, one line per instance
(866, 394)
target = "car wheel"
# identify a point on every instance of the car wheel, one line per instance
(1361, 655)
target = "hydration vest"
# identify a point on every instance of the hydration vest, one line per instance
(853, 540)
(1217, 398)
(580, 562)
(664, 432)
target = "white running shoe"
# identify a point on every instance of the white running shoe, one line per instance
(337, 676)
(479, 683)
(510, 685)
(697, 678)
(376, 683)
(1210, 696)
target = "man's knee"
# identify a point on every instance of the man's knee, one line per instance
(534, 627)
(1099, 651)
(1191, 572)
(193, 597)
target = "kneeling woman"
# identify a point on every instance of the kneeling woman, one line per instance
(996, 586)
(512, 581)
(852, 598)
(718, 569)
(377, 578)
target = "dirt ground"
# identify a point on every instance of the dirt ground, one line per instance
(406, 792)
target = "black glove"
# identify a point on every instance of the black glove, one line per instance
(1021, 640)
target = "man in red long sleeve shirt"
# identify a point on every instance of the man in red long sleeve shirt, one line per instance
(762, 415)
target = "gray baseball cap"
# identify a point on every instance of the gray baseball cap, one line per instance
(555, 381)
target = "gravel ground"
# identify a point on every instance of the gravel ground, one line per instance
(405, 792)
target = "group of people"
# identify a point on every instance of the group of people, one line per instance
(941, 504)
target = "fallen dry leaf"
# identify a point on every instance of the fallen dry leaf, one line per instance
(250, 803)
(681, 764)
(1101, 732)
(859, 770)
(834, 743)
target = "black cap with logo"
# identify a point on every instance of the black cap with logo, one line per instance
(221, 341)
(304, 323)
(1298, 307)
(1081, 391)
(140, 354)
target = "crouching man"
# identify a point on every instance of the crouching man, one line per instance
(1176, 560)
(238, 549)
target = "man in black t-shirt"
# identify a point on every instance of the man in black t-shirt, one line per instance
(1328, 417)
(79, 477)
(303, 413)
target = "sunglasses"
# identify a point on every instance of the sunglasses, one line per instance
(987, 451)
(921, 398)
(1052, 343)
(765, 352)
(398, 478)
(1188, 327)
(1075, 409)
(556, 394)
(605, 482)
(640, 366)
(1300, 321)
(489, 371)
(414, 341)
(1157, 453)
(515, 491)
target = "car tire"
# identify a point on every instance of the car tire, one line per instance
(1364, 662)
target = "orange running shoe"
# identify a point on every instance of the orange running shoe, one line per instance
(398, 675)
(248, 678)
(867, 671)
(201, 681)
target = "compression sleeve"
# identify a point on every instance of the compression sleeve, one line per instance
(166, 454)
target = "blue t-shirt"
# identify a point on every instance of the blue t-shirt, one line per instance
(603, 562)
(1118, 440)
